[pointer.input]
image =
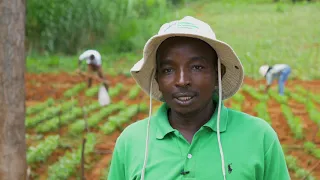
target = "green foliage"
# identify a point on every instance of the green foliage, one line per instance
(43, 150)
(299, 172)
(46, 114)
(93, 91)
(39, 107)
(114, 91)
(49, 113)
(134, 91)
(67, 164)
(238, 97)
(74, 90)
(282, 99)
(236, 106)
(94, 119)
(262, 111)
(119, 119)
(63, 25)
(254, 93)
(310, 147)
(294, 122)
(71, 25)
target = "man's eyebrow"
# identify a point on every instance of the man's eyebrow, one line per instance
(199, 58)
(165, 62)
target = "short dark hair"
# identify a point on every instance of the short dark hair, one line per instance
(91, 57)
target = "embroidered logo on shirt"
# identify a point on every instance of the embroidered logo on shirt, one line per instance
(229, 168)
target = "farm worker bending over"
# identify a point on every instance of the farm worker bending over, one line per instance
(193, 135)
(93, 59)
(277, 71)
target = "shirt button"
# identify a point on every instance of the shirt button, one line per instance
(189, 156)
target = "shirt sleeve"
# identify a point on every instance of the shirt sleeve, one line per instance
(275, 164)
(269, 78)
(117, 167)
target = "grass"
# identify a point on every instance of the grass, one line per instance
(262, 33)
(269, 33)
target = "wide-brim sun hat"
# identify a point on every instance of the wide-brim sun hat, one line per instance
(143, 71)
(263, 70)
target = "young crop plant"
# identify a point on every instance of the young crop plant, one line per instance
(66, 106)
(299, 172)
(98, 117)
(66, 165)
(280, 99)
(236, 106)
(238, 97)
(262, 112)
(115, 91)
(299, 98)
(134, 91)
(254, 93)
(119, 119)
(309, 95)
(143, 107)
(31, 122)
(43, 150)
(54, 123)
(74, 90)
(310, 147)
(93, 120)
(39, 107)
(293, 121)
(92, 91)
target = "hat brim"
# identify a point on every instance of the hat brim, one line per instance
(143, 71)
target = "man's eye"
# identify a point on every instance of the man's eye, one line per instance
(197, 67)
(167, 70)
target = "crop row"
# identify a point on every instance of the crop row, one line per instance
(262, 111)
(49, 113)
(58, 121)
(122, 117)
(299, 172)
(94, 119)
(254, 93)
(66, 165)
(314, 114)
(43, 150)
(294, 122)
(39, 107)
(74, 90)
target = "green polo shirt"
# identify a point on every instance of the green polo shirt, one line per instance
(251, 149)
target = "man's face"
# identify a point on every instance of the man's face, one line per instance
(186, 73)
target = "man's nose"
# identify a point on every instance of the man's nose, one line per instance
(183, 78)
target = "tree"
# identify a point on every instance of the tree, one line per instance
(13, 164)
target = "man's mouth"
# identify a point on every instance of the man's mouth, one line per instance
(185, 98)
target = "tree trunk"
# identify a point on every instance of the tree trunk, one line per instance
(13, 164)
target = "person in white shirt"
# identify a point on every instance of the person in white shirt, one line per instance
(93, 59)
(277, 71)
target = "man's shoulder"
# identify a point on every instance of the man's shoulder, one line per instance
(134, 131)
(250, 122)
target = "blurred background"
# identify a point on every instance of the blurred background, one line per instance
(61, 110)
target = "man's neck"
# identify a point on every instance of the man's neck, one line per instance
(192, 122)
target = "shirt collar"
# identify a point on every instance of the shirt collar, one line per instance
(164, 127)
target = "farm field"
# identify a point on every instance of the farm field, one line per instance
(58, 103)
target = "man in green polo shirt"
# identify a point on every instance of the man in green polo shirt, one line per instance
(193, 135)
